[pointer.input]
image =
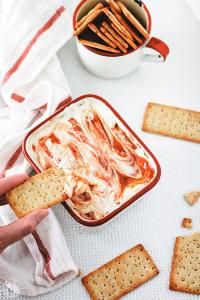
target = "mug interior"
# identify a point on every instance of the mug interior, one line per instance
(140, 12)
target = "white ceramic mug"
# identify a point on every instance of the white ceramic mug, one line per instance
(115, 65)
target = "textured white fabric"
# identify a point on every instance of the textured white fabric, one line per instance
(22, 265)
(36, 75)
(155, 220)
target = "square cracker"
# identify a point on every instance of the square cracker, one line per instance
(172, 121)
(185, 272)
(40, 191)
(120, 275)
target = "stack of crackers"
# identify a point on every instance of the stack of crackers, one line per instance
(115, 26)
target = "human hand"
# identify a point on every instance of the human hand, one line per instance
(21, 227)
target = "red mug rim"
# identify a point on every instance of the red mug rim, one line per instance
(125, 205)
(113, 54)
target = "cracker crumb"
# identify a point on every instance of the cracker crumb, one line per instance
(192, 197)
(187, 223)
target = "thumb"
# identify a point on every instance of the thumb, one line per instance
(10, 182)
(20, 228)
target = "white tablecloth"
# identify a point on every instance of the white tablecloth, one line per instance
(155, 220)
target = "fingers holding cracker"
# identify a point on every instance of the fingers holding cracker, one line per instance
(98, 46)
(133, 20)
(43, 190)
(96, 30)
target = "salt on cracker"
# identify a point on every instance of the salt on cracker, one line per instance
(120, 275)
(192, 197)
(185, 272)
(40, 191)
(187, 223)
(172, 121)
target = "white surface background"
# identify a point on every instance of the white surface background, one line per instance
(155, 220)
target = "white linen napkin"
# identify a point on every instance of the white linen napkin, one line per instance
(33, 85)
(31, 32)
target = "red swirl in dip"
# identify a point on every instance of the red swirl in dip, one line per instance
(104, 164)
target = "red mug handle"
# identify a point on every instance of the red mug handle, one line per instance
(160, 47)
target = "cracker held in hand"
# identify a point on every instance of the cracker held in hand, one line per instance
(185, 273)
(172, 121)
(40, 191)
(120, 275)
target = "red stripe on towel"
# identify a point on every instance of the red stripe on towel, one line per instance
(20, 99)
(17, 98)
(45, 254)
(11, 161)
(16, 154)
(44, 28)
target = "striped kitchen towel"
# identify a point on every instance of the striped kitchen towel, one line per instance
(33, 86)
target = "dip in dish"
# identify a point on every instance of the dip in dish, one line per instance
(107, 167)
